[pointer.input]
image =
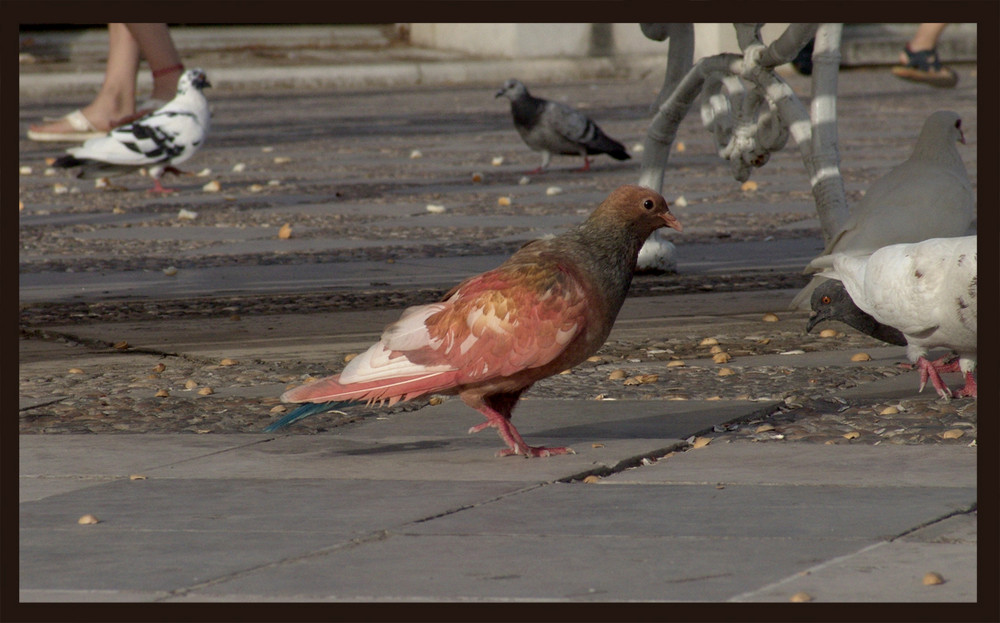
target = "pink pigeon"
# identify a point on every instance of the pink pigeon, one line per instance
(544, 310)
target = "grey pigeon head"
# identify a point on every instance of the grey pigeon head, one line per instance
(830, 301)
(193, 79)
(938, 136)
(512, 90)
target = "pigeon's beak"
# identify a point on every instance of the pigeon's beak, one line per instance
(671, 221)
(961, 136)
(500, 92)
(814, 319)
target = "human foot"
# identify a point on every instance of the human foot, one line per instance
(75, 126)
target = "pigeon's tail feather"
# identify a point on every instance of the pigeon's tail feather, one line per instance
(305, 410)
(90, 169)
(597, 142)
(67, 162)
(619, 154)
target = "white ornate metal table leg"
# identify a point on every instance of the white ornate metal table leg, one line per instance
(752, 111)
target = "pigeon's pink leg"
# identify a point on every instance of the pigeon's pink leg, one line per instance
(945, 363)
(941, 366)
(158, 189)
(586, 165)
(928, 370)
(971, 389)
(516, 445)
(535, 171)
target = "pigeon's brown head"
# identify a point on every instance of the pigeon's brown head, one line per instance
(645, 209)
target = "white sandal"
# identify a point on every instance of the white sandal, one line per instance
(83, 129)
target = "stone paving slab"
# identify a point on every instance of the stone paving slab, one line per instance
(623, 542)
(553, 421)
(164, 534)
(430, 443)
(542, 568)
(746, 463)
(892, 571)
(53, 465)
(708, 511)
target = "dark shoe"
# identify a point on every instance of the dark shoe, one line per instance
(925, 67)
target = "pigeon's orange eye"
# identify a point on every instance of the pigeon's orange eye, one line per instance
(648, 204)
(825, 300)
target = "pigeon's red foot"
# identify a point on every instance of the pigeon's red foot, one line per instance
(945, 363)
(928, 370)
(535, 171)
(158, 189)
(586, 165)
(535, 451)
(970, 389)
(515, 443)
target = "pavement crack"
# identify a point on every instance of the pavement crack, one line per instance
(373, 537)
(486, 502)
(972, 508)
(42, 404)
(89, 342)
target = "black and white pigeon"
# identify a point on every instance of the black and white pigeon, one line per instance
(830, 301)
(165, 137)
(555, 128)
(927, 196)
(928, 291)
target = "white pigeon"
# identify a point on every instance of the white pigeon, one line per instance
(555, 128)
(657, 255)
(928, 196)
(928, 291)
(165, 137)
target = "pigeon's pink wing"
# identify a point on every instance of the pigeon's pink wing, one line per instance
(516, 317)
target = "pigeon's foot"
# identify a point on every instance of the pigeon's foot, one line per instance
(928, 370)
(158, 189)
(945, 363)
(948, 363)
(515, 443)
(535, 171)
(535, 451)
(586, 165)
(970, 389)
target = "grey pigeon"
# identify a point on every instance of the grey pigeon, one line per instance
(928, 291)
(830, 301)
(927, 196)
(167, 136)
(555, 128)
